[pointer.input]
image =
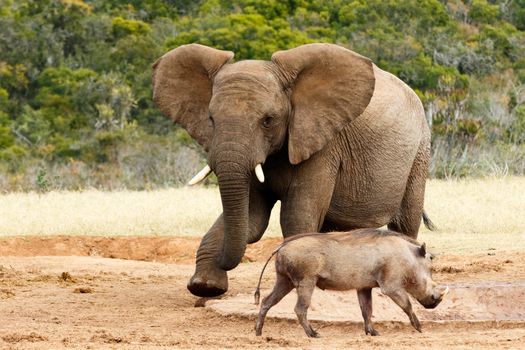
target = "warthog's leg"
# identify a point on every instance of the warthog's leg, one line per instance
(400, 297)
(365, 301)
(282, 287)
(305, 290)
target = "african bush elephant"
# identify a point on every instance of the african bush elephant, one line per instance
(343, 144)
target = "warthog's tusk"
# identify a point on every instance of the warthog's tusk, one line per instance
(201, 175)
(445, 292)
(259, 173)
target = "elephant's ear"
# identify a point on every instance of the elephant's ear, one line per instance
(330, 86)
(182, 86)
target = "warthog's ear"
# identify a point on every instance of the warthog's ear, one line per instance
(423, 250)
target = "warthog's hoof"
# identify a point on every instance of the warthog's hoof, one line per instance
(372, 332)
(314, 334)
(201, 286)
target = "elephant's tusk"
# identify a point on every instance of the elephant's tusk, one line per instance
(444, 293)
(259, 173)
(201, 175)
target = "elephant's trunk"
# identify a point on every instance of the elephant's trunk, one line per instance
(234, 184)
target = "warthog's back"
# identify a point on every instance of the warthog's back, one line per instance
(345, 260)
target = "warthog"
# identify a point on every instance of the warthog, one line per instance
(360, 259)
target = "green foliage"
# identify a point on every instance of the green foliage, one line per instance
(250, 36)
(4, 98)
(6, 136)
(516, 132)
(41, 180)
(123, 27)
(483, 12)
(516, 13)
(75, 76)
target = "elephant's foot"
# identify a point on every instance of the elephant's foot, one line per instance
(208, 283)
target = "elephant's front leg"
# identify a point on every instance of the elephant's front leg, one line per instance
(209, 279)
(306, 203)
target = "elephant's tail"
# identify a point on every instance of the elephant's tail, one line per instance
(257, 294)
(428, 223)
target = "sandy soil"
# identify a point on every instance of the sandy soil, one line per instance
(103, 297)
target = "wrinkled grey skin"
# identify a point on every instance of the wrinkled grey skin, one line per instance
(343, 144)
(362, 260)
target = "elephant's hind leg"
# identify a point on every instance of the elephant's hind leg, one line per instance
(408, 218)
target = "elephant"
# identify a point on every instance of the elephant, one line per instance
(341, 143)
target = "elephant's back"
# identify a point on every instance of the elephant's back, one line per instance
(378, 151)
(394, 107)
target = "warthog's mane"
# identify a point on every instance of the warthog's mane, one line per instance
(362, 233)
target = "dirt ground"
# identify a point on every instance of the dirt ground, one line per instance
(130, 293)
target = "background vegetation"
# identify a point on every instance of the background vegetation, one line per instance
(75, 90)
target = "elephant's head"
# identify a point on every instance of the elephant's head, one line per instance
(243, 112)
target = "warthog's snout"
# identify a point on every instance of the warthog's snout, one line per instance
(436, 298)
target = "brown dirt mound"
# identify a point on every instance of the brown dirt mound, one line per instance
(182, 250)
(158, 249)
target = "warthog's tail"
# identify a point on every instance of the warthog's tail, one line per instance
(428, 223)
(257, 294)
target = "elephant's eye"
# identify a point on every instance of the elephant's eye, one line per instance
(267, 122)
(210, 117)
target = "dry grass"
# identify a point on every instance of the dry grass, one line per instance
(476, 214)
(471, 215)
(181, 212)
